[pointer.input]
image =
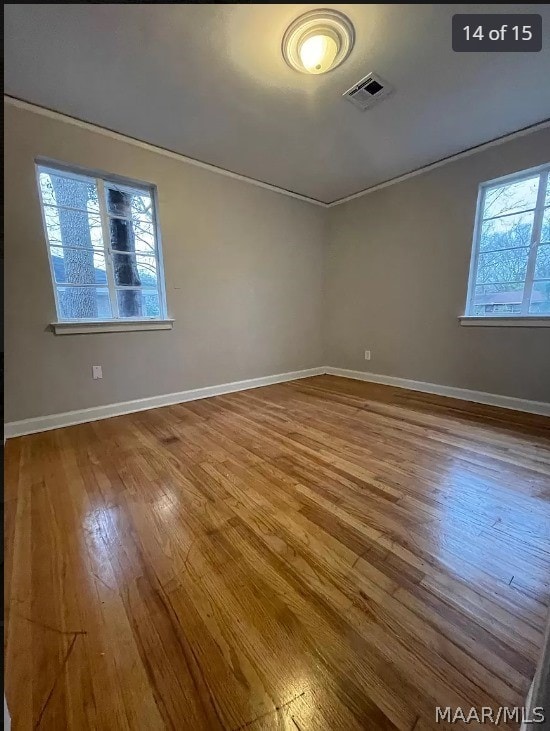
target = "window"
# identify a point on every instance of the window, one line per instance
(103, 247)
(510, 269)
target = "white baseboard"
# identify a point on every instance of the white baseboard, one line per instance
(56, 421)
(480, 397)
(68, 418)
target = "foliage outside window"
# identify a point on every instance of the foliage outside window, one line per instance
(510, 270)
(103, 247)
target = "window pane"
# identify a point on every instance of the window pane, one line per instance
(78, 267)
(138, 303)
(61, 190)
(151, 306)
(502, 266)
(126, 271)
(73, 228)
(142, 208)
(136, 270)
(545, 232)
(542, 265)
(495, 299)
(83, 303)
(132, 236)
(144, 236)
(129, 303)
(137, 232)
(540, 299)
(507, 232)
(518, 196)
(547, 199)
(131, 204)
(118, 201)
(122, 235)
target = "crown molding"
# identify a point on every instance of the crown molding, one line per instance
(60, 117)
(50, 113)
(444, 161)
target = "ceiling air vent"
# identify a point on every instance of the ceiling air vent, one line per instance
(368, 92)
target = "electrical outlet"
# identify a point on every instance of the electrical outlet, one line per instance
(97, 372)
(367, 354)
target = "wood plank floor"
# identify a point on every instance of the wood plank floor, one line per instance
(318, 555)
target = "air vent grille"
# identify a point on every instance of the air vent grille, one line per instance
(368, 92)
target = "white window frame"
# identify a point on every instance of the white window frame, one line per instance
(523, 317)
(116, 323)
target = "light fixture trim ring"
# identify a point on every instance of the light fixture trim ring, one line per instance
(316, 22)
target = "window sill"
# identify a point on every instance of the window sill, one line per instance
(523, 321)
(109, 326)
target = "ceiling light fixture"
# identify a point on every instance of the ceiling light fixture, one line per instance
(318, 41)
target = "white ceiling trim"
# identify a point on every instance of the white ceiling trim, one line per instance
(236, 176)
(51, 114)
(439, 163)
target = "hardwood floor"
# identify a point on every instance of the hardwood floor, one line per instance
(324, 554)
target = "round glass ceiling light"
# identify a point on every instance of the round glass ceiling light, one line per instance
(318, 41)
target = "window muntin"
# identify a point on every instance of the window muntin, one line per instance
(103, 247)
(510, 268)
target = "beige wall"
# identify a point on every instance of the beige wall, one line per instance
(397, 271)
(244, 275)
(260, 283)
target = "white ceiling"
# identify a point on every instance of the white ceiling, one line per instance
(209, 81)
